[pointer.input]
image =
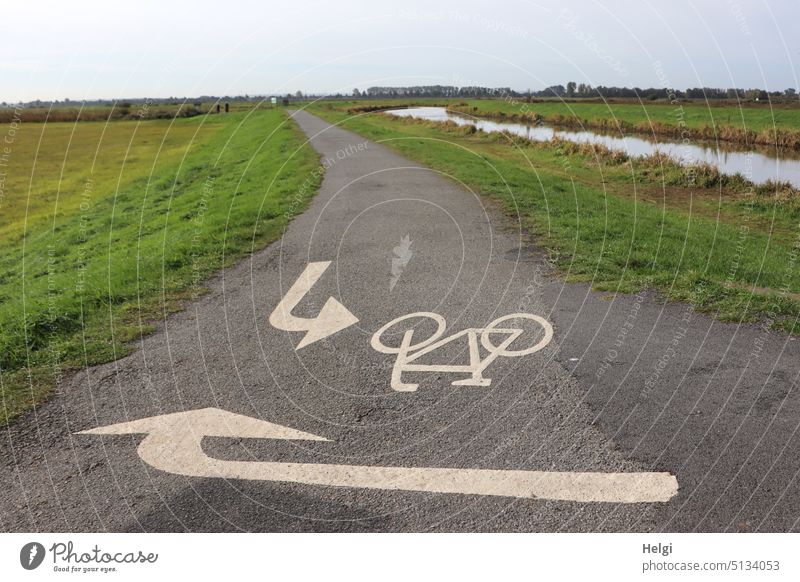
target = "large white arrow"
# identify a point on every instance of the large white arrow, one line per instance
(332, 318)
(174, 444)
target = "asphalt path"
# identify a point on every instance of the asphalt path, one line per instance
(629, 384)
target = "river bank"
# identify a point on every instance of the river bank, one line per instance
(677, 128)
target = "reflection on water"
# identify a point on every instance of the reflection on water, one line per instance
(758, 165)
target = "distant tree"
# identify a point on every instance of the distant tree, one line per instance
(298, 95)
(757, 94)
(356, 93)
(790, 92)
(571, 89)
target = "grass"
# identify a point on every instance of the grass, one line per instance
(694, 114)
(106, 227)
(623, 225)
(763, 126)
(750, 123)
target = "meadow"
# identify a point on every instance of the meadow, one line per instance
(694, 113)
(107, 226)
(759, 124)
(623, 224)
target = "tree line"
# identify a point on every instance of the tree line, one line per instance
(572, 90)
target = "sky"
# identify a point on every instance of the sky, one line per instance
(81, 49)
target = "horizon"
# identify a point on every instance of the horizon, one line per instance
(501, 91)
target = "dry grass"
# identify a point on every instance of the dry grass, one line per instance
(98, 113)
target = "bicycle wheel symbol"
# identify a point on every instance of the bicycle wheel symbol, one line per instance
(548, 335)
(379, 346)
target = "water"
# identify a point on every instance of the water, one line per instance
(756, 164)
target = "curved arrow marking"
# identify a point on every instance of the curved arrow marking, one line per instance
(332, 318)
(174, 444)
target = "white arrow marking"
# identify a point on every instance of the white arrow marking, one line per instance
(174, 444)
(332, 318)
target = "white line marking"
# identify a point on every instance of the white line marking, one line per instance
(332, 318)
(174, 444)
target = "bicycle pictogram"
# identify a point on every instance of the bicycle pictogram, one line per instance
(409, 352)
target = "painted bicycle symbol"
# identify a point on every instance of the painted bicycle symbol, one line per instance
(408, 352)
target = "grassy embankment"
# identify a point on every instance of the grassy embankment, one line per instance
(116, 224)
(623, 224)
(745, 125)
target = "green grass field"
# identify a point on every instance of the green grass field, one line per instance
(623, 227)
(694, 114)
(115, 224)
(745, 125)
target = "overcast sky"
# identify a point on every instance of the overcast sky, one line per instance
(56, 49)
